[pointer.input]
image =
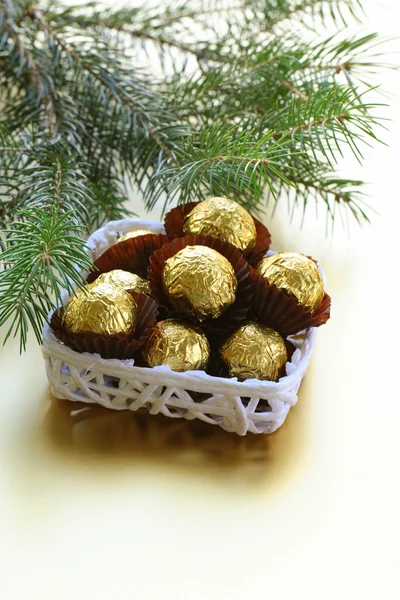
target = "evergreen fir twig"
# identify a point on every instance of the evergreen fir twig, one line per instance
(43, 255)
(183, 99)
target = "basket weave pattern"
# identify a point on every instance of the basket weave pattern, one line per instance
(241, 407)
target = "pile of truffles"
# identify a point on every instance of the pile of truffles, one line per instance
(205, 295)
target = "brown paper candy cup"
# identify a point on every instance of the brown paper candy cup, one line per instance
(290, 348)
(279, 310)
(118, 345)
(175, 218)
(132, 255)
(216, 340)
(263, 243)
(234, 314)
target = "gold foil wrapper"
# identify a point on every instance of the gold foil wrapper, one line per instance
(254, 351)
(128, 281)
(296, 274)
(199, 281)
(101, 308)
(178, 345)
(133, 234)
(223, 219)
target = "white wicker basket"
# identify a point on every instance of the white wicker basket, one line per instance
(252, 405)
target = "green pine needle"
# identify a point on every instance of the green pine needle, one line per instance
(44, 255)
(221, 161)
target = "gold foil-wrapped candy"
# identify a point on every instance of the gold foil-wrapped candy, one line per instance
(223, 219)
(178, 345)
(296, 274)
(101, 308)
(199, 281)
(128, 281)
(254, 351)
(133, 234)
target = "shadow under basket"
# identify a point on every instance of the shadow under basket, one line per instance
(241, 407)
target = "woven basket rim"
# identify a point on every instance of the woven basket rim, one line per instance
(190, 380)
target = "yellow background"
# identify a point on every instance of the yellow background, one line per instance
(96, 504)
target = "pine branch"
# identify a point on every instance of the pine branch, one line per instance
(108, 203)
(354, 57)
(42, 257)
(334, 115)
(15, 36)
(337, 10)
(314, 182)
(153, 21)
(54, 179)
(148, 24)
(114, 85)
(244, 105)
(221, 161)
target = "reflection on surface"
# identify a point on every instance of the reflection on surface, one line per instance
(93, 434)
(90, 431)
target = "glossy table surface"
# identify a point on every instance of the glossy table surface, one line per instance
(97, 504)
